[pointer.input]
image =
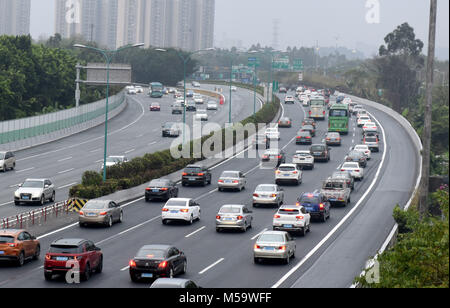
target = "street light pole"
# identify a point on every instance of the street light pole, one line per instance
(108, 55)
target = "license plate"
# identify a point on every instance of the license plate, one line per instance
(62, 258)
(91, 214)
(26, 198)
(228, 219)
(287, 226)
(228, 181)
(192, 179)
(269, 248)
(333, 199)
(155, 190)
(145, 275)
(2, 252)
(174, 212)
(317, 153)
(287, 175)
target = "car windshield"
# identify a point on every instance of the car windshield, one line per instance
(95, 205)
(269, 188)
(65, 249)
(2, 156)
(360, 148)
(277, 238)
(33, 184)
(230, 210)
(113, 160)
(333, 185)
(180, 203)
(271, 130)
(229, 174)
(4, 239)
(151, 253)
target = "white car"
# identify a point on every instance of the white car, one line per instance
(289, 99)
(292, 218)
(370, 127)
(196, 84)
(365, 149)
(354, 169)
(131, 90)
(114, 160)
(273, 134)
(233, 88)
(211, 105)
(198, 99)
(303, 159)
(35, 191)
(288, 173)
(139, 89)
(363, 120)
(304, 100)
(201, 115)
(180, 209)
(361, 112)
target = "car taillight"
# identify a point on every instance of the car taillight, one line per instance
(282, 248)
(103, 213)
(255, 195)
(277, 216)
(295, 172)
(308, 137)
(184, 173)
(321, 206)
(240, 217)
(148, 189)
(165, 210)
(184, 210)
(217, 217)
(163, 264)
(81, 213)
(48, 257)
(328, 139)
(200, 174)
(265, 157)
(356, 170)
(164, 189)
(279, 156)
(299, 217)
(324, 113)
(220, 181)
(342, 169)
(235, 182)
(278, 172)
(257, 247)
(274, 195)
(132, 263)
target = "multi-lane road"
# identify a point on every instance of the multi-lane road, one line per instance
(135, 132)
(330, 256)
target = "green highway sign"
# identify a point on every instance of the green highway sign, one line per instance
(253, 61)
(298, 65)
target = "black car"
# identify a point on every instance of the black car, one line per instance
(321, 152)
(154, 261)
(161, 189)
(191, 106)
(316, 204)
(274, 155)
(194, 175)
(303, 137)
(357, 157)
(345, 175)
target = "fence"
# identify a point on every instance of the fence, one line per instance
(28, 132)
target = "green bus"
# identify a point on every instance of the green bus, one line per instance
(156, 90)
(338, 118)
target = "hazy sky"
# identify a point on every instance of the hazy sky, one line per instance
(303, 22)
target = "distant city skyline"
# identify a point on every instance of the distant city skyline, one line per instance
(302, 23)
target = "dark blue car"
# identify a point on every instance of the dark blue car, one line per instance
(316, 204)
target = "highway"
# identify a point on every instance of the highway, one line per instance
(225, 260)
(134, 132)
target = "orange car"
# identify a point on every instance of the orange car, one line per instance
(18, 246)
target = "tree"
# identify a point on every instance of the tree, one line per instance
(402, 41)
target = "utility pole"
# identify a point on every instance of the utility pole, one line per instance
(426, 138)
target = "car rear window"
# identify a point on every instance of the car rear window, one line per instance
(371, 139)
(288, 211)
(181, 203)
(286, 168)
(193, 170)
(271, 238)
(158, 183)
(333, 185)
(265, 188)
(230, 175)
(309, 199)
(151, 253)
(317, 148)
(6, 239)
(230, 210)
(95, 206)
(65, 249)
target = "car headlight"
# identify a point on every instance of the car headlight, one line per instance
(16, 194)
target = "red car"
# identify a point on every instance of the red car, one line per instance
(155, 107)
(67, 254)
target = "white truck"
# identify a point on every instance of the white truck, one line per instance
(317, 108)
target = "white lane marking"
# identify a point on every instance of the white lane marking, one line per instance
(140, 136)
(64, 159)
(68, 185)
(88, 141)
(211, 266)
(65, 171)
(196, 231)
(125, 268)
(152, 143)
(93, 151)
(99, 161)
(343, 220)
(155, 130)
(264, 230)
(129, 151)
(24, 170)
(3, 204)
(16, 185)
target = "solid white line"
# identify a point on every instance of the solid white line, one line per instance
(330, 234)
(64, 159)
(129, 151)
(93, 151)
(65, 171)
(68, 185)
(99, 161)
(57, 231)
(24, 170)
(211, 266)
(11, 202)
(125, 268)
(152, 143)
(189, 235)
(264, 230)
(12, 186)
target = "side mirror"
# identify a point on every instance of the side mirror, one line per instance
(20, 185)
(46, 186)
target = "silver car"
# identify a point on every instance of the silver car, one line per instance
(292, 218)
(234, 217)
(333, 138)
(7, 161)
(232, 180)
(274, 245)
(268, 194)
(104, 212)
(35, 191)
(212, 105)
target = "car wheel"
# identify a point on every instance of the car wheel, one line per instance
(220, 189)
(48, 276)
(42, 201)
(218, 230)
(147, 199)
(16, 203)
(171, 273)
(21, 259)
(4, 168)
(324, 217)
(184, 270)
(53, 197)
(256, 260)
(303, 232)
(191, 220)
(288, 259)
(37, 253)
(13, 166)
(99, 268)
(110, 222)
(164, 222)
(87, 272)
(120, 217)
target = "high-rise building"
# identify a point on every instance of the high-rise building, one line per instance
(15, 17)
(185, 24)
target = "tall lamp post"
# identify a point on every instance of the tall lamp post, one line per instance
(185, 61)
(108, 55)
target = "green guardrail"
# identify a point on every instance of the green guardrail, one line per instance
(43, 129)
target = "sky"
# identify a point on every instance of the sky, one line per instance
(304, 22)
